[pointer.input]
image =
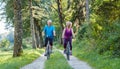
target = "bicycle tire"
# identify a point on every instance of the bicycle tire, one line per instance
(48, 52)
(68, 56)
(48, 56)
(68, 52)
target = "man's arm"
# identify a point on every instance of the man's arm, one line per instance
(54, 33)
(43, 32)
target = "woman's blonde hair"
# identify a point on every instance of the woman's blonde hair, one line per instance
(68, 24)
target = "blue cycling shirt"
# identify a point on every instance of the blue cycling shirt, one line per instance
(49, 31)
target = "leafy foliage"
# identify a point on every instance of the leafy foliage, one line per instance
(5, 43)
(103, 31)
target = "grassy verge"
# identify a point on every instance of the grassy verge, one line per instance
(57, 61)
(58, 46)
(82, 51)
(8, 62)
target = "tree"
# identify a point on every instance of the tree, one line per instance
(78, 16)
(32, 25)
(38, 13)
(87, 10)
(18, 28)
(60, 13)
(60, 17)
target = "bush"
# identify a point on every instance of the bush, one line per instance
(110, 40)
(105, 40)
(5, 43)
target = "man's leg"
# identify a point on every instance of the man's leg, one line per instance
(51, 43)
(46, 41)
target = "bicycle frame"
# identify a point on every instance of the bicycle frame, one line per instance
(48, 50)
(68, 51)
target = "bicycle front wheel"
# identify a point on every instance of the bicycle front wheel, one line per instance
(48, 55)
(68, 54)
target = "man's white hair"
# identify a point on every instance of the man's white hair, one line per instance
(49, 21)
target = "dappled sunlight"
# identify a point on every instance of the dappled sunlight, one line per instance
(6, 53)
(4, 56)
(31, 51)
(99, 27)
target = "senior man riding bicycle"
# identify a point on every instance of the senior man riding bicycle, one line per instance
(49, 32)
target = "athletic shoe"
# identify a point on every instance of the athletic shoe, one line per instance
(45, 54)
(70, 53)
(64, 51)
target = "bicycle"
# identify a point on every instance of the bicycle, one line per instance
(68, 51)
(48, 50)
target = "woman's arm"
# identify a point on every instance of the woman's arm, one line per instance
(73, 33)
(63, 33)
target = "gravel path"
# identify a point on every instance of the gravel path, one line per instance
(77, 64)
(74, 63)
(37, 64)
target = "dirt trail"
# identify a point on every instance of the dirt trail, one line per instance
(77, 64)
(74, 63)
(37, 64)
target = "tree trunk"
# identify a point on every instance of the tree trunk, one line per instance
(40, 35)
(68, 4)
(60, 13)
(79, 8)
(18, 29)
(60, 19)
(32, 26)
(79, 14)
(37, 33)
(87, 11)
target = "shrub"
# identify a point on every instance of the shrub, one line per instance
(5, 43)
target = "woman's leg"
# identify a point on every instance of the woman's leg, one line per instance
(65, 43)
(70, 41)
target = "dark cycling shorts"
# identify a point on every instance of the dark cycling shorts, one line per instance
(66, 40)
(50, 41)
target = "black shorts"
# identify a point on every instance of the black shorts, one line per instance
(50, 41)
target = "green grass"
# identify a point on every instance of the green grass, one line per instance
(57, 61)
(58, 46)
(8, 62)
(94, 59)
